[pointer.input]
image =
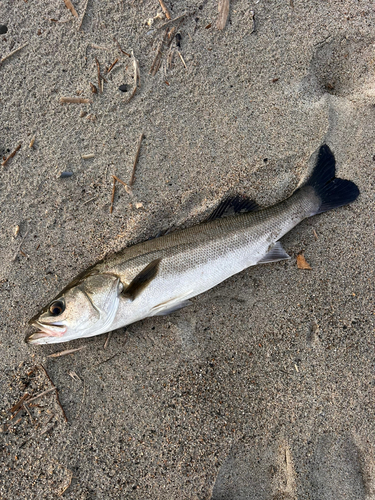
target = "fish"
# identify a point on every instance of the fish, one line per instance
(161, 275)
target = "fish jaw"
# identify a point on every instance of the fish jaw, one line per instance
(45, 331)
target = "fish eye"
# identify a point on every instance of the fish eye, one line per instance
(57, 308)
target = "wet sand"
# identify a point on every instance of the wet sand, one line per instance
(264, 387)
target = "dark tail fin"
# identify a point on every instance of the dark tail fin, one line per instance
(333, 192)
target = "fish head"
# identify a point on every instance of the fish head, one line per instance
(83, 309)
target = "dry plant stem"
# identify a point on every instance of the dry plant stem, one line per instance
(127, 188)
(83, 15)
(56, 392)
(112, 66)
(165, 9)
(28, 412)
(11, 155)
(113, 194)
(12, 53)
(223, 14)
(136, 78)
(120, 49)
(179, 18)
(74, 100)
(131, 182)
(18, 405)
(70, 6)
(64, 353)
(41, 394)
(157, 60)
(32, 142)
(182, 59)
(107, 340)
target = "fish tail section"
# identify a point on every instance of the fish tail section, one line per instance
(331, 191)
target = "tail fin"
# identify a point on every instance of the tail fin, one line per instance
(333, 192)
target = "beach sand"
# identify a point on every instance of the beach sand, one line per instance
(264, 387)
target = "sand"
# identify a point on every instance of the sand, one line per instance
(264, 387)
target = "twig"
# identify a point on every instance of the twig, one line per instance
(12, 53)
(70, 6)
(57, 393)
(136, 78)
(11, 155)
(113, 194)
(112, 66)
(83, 15)
(182, 59)
(74, 100)
(108, 359)
(131, 182)
(127, 188)
(64, 353)
(223, 14)
(40, 394)
(120, 49)
(165, 9)
(91, 199)
(157, 59)
(66, 487)
(179, 18)
(107, 340)
(32, 142)
(18, 405)
(28, 411)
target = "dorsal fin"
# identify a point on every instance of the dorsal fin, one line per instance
(141, 280)
(231, 205)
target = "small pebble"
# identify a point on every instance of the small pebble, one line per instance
(3, 29)
(16, 230)
(123, 88)
(64, 175)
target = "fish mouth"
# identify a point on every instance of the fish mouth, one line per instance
(45, 331)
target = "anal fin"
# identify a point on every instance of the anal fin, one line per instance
(173, 308)
(274, 254)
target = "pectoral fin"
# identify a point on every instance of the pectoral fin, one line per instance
(142, 279)
(274, 254)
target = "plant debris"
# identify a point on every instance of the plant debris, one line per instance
(302, 263)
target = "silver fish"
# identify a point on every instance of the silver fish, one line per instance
(159, 276)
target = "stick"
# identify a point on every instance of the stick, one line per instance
(120, 49)
(165, 9)
(157, 60)
(112, 66)
(57, 393)
(107, 340)
(64, 353)
(223, 14)
(131, 182)
(136, 78)
(113, 194)
(20, 403)
(70, 6)
(40, 395)
(179, 18)
(127, 188)
(74, 100)
(182, 59)
(26, 408)
(83, 15)
(12, 53)
(11, 155)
